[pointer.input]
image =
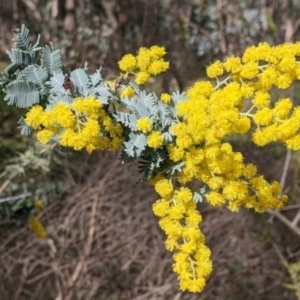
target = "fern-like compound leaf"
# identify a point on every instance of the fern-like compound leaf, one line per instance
(51, 60)
(20, 57)
(22, 40)
(35, 74)
(25, 129)
(96, 78)
(56, 82)
(136, 144)
(21, 94)
(81, 80)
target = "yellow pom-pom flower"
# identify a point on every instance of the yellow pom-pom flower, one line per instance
(142, 77)
(155, 139)
(127, 63)
(34, 116)
(215, 69)
(164, 97)
(144, 124)
(164, 187)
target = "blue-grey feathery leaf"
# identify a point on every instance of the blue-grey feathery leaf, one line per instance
(197, 197)
(136, 144)
(96, 77)
(21, 94)
(35, 74)
(178, 97)
(127, 119)
(25, 129)
(51, 60)
(135, 87)
(20, 57)
(56, 82)
(81, 80)
(22, 40)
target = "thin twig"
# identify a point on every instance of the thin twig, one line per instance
(285, 221)
(285, 167)
(15, 197)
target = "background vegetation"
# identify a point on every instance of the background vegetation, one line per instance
(102, 240)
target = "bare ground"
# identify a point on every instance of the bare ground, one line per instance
(104, 244)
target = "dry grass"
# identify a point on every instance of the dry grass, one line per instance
(104, 244)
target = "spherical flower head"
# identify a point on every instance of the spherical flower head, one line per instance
(127, 92)
(142, 77)
(92, 106)
(250, 70)
(158, 66)
(166, 98)
(242, 125)
(261, 99)
(293, 142)
(164, 187)
(143, 58)
(175, 153)
(215, 69)
(66, 137)
(155, 140)
(161, 207)
(91, 129)
(127, 63)
(216, 182)
(177, 211)
(233, 64)
(48, 119)
(157, 52)
(79, 105)
(183, 195)
(200, 88)
(282, 108)
(34, 116)
(232, 190)
(263, 116)
(287, 63)
(287, 128)
(44, 136)
(77, 142)
(261, 137)
(64, 116)
(144, 124)
(247, 90)
(215, 199)
(251, 54)
(284, 81)
(195, 155)
(250, 171)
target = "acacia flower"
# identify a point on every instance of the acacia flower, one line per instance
(164, 97)
(127, 63)
(155, 139)
(144, 124)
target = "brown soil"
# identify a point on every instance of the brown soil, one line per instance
(104, 244)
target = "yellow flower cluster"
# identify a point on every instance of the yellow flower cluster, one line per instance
(212, 113)
(84, 124)
(147, 62)
(179, 218)
(260, 69)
